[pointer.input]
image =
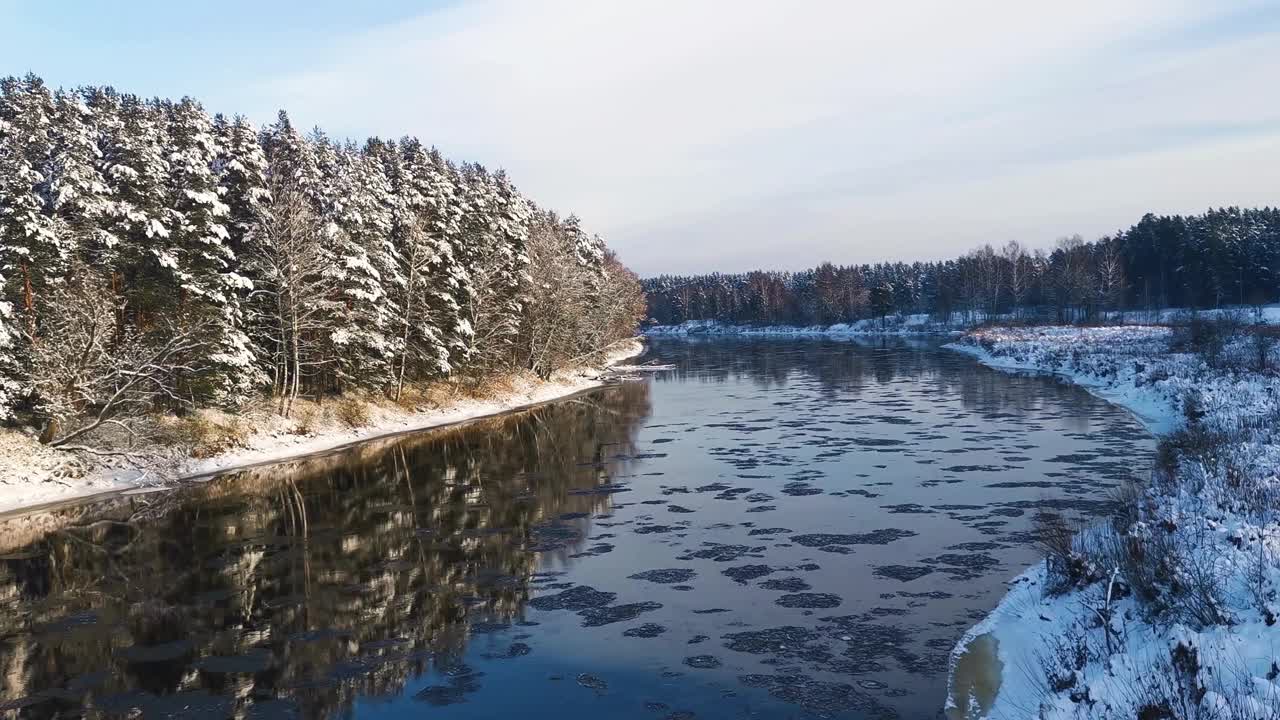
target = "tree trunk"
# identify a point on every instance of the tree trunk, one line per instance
(404, 339)
(297, 356)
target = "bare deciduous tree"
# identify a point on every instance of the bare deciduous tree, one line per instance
(89, 376)
(559, 293)
(1071, 280)
(293, 303)
(494, 317)
(574, 310)
(989, 277)
(420, 340)
(620, 305)
(1019, 275)
(1110, 284)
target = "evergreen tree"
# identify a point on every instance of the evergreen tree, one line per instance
(241, 169)
(292, 158)
(134, 232)
(1220, 258)
(33, 254)
(363, 220)
(78, 193)
(432, 331)
(199, 253)
(494, 235)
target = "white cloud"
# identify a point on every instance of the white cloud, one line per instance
(704, 134)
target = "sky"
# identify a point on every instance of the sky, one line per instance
(727, 135)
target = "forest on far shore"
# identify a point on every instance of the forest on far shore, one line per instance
(155, 258)
(1224, 257)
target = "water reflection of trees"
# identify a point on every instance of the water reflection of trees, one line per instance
(853, 366)
(318, 581)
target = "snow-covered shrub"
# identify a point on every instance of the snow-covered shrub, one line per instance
(1207, 335)
(1070, 559)
(1262, 346)
(1066, 657)
(1183, 686)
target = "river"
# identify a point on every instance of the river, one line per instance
(773, 528)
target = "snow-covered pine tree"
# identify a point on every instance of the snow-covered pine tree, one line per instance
(363, 218)
(32, 253)
(428, 211)
(386, 176)
(514, 219)
(292, 159)
(241, 168)
(199, 255)
(377, 211)
(136, 220)
(326, 201)
(78, 194)
(325, 152)
(589, 251)
(588, 248)
(241, 171)
(376, 266)
(495, 231)
(453, 274)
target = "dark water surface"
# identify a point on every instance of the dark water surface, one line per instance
(773, 529)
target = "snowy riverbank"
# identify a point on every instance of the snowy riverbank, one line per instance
(1106, 361)
(1172, 613)
(960, 323)
(894, 325)
(34, 475)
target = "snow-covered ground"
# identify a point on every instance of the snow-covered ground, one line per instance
(921, 324)
(1172, 611)
(32, 474)
(1267, 314)
(1107, 361)
(926, 324)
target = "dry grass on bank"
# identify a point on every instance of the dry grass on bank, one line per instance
(208, 433)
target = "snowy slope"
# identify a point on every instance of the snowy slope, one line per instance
(1173, 614)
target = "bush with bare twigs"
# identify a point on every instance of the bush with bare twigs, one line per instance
(306, 418)
(205, 434)
(351, 411)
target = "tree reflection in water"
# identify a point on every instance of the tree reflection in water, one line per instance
(313, 581)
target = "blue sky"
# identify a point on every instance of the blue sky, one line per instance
(163, 47)
(706, 134)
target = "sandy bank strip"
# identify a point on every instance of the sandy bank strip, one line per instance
(34, 477)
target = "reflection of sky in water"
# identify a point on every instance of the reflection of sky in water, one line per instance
(870, 499)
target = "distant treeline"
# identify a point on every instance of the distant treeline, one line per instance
(1223, 257)
(155, 256)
